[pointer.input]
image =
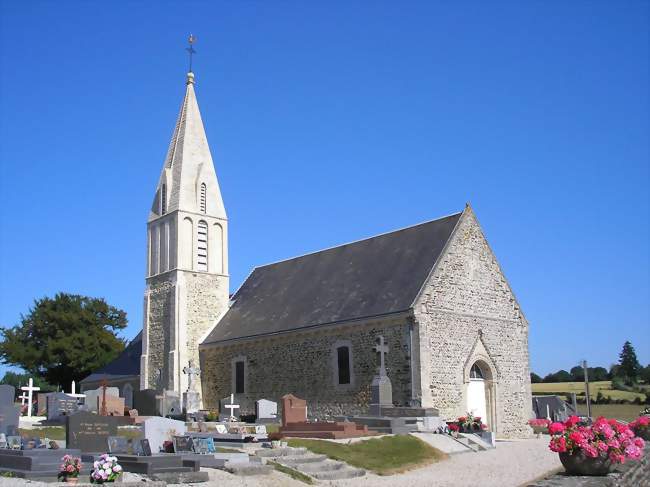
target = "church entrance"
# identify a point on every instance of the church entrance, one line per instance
(476, 403)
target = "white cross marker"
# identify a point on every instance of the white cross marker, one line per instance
(232, 407)
(23, 398)
(30, 388)
(74, 391)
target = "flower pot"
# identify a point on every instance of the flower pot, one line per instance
(580, 464)
(72, 480)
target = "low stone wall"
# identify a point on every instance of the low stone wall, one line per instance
(631, 474)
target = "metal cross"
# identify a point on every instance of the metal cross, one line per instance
(190, 49)
(30, 389)
(381, 349)
(232, 407)
(103, 411)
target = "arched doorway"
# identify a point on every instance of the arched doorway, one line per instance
(476, 392)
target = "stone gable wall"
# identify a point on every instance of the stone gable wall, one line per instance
(468, 299)
(302, 363)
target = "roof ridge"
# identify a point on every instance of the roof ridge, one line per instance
(356, 241)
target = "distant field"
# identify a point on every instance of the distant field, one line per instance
(624, 412)
(565, 388)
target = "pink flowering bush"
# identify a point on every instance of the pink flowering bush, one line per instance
(605, 438)
(106, 469)
(70, 467)
(641, 427)
(539, 425)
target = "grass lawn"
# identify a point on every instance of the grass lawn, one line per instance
(383, 456)
(564, 388)
(51, 432)
(624, 412)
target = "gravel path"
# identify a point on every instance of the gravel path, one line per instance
(511, 463)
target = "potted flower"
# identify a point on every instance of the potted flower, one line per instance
(453, 429)
(641, 427)
(539, 425)
(470, 424)
(593, 449)
(69, 469)
(106, 469)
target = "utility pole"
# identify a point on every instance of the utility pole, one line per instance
(584, 367)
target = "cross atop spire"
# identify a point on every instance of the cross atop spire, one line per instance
(191, 40)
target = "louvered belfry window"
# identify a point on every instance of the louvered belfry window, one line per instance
(202, 246)
(203, 196)
(163, 199)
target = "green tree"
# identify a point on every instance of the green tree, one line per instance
(645, 374)
(64, 338)
(578, 373)
(629, 367)
(598, 374)
(17, 380)
(534, 378)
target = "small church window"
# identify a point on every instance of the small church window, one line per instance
(476, 372)
(163, 199)
(203, 197)
(343, 356)
(202, 246)
(239, 377)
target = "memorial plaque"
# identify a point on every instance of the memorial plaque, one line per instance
(60, 404)
(202, 445)
(89, 432)
(14, 442)
(183, 444)
(145, 447)
(118, 444)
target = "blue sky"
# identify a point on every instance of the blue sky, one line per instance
(334, 121)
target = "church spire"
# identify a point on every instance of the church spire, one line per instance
(188, 180)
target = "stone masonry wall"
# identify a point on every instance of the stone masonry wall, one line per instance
(302, 363)
(207, 299)
(161, 311)
(465, 313)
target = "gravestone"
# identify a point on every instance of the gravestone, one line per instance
(7, 394)
(158, 430)
(41, 403)
(94, 397)
(266, 409)
(146, 402)
(183, 444)
(294, 409)
(89, 432)
(9, 418)
(381, 389)
(171, 403)
(221, 429)
(114, 406)
(60, 404)
(118, 444)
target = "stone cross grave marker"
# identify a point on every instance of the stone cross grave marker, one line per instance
(232, 407)
(30, 389)
(192, 372)
(381, 349)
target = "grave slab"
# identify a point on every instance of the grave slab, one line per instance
(89, 432)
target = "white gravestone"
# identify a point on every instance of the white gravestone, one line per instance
(266, 409)
(158, 430)
(94, 398)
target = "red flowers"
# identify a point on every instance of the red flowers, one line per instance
(602, 438)
(453, 427)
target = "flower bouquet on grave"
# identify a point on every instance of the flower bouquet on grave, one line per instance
(470, 424)
(594, 449)
(69, 469)
(106, 469)
(641, 427)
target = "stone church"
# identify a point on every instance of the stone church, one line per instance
(457, 338)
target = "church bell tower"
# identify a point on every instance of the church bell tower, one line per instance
(187, 255)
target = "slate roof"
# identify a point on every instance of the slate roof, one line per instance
(126, 364)
(372, 277)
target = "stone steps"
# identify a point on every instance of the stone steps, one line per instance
(315, 465)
